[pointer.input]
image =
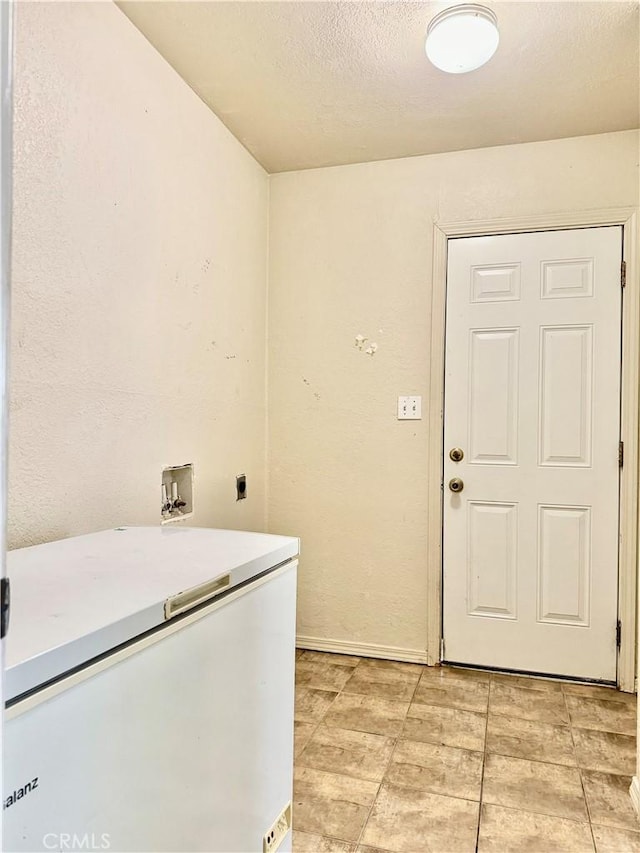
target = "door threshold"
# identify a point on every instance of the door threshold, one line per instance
(548, 676)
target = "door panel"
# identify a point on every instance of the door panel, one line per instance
(495, 283)
(493, 428)
(492, 536)
(561, 279)
(564, 565)
(565, 395)
(532, 396)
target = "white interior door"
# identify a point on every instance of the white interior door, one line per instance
(532, 398)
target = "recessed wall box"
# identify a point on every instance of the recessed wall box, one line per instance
(241, 487)
(176, 495)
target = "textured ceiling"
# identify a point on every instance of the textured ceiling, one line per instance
(305, 84)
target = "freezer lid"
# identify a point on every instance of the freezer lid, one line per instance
(77, 598)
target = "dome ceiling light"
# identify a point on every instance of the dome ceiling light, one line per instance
(462, 38)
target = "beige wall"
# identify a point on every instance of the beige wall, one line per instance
(351, 253)
(140, 264)
(139, 285)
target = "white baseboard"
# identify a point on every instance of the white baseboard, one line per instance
(634, 791)
(363, 650)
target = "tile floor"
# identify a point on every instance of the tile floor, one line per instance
(405, 758)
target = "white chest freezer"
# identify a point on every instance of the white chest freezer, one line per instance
(149, 685)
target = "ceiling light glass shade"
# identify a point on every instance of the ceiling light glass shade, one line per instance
(462, 38)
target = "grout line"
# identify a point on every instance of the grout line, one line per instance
(544, 814)
(375, 799)
(575, 755)
(395, 744)
(484, 764)
(535, 761)
(373, 802)
(296, 759)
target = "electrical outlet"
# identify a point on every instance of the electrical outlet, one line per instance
(273, 837)
(409, 408)
(241, 487)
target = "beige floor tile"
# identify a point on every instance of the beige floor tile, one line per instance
(466, 695)
(306, 842)
(369, 664)
(384, 683)
(530, 682)
(358, 754)
(367, 714)
(540, 706)
(610, 840)
(514, 831)
(322, 676)
(439, 769)
(301, 735)
(311, 705)
(533, 786)
(536, 741)
(605, 715)
(608, 799)
(446, 726)
(404, 820)
(609, 752)
(326, 804)
(330, 657)
(533, 800)
(457, 673)
(592, 691)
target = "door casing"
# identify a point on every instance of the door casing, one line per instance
(627, 217)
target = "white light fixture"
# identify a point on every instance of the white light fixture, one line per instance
(462, 38)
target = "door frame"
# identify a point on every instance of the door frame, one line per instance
(627, 217)
(6, 213)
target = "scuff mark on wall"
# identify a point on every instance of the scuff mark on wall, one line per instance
(308, 384)
(361, 341)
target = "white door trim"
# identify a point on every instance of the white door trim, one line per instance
(442, 232)
(6, 212)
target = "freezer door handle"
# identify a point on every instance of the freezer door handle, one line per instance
(190, 598)
(5, 604)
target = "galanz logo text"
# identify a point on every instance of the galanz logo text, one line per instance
(20, 793)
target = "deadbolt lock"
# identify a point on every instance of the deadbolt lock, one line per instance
(456, 485)
(456, 454)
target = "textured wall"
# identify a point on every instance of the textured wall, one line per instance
(351, 253)
(139, 285)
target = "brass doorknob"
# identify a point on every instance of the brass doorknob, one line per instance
(456, 454)
(456, 485)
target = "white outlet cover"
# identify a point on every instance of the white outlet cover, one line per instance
(276, 834)
(410, 408)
